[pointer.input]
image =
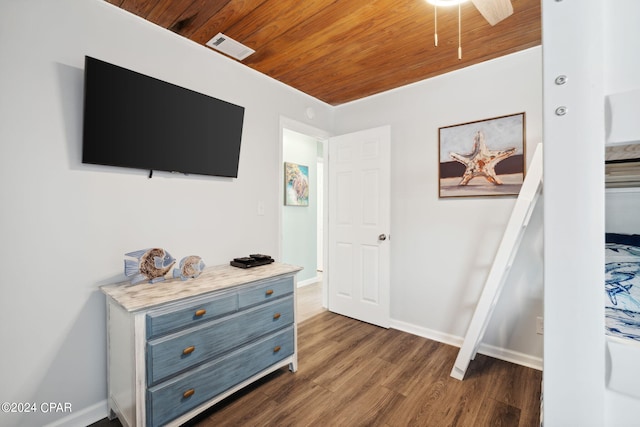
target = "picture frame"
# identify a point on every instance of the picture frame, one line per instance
(296, 184)
(482, 158)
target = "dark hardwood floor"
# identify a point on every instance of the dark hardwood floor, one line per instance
(356, 374)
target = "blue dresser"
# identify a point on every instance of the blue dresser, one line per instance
(176, 348)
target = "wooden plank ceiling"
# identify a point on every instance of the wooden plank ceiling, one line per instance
(342, 50)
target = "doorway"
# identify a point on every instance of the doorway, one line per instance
(303, 213)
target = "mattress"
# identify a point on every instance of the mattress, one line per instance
(622, 286)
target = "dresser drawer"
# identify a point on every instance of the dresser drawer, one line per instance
(265, 292)
(160, 322)
(183, 393)
(177, 352)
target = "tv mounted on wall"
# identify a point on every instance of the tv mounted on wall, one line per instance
(137, 121)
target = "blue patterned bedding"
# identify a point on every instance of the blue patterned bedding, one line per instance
(622, 285)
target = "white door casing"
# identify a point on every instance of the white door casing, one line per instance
(359, 225)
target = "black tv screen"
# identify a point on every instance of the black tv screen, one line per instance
(136, 121)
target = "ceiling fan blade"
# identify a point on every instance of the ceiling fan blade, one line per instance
(494, 11)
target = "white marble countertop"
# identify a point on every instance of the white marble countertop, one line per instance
(146, 295)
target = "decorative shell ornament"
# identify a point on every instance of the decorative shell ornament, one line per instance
(149, 264)
(190, 267)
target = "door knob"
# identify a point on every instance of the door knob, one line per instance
(382, 237)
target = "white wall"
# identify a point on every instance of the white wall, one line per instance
(621, 46)
(300, 223)
(621, 210)
(65, 226)
(442, 249)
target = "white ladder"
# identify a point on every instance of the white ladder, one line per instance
(501, 264)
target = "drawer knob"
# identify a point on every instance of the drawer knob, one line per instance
(276, 349)
(189, 350)
(188, 393)
(201, 312)
(269, 292)
(276, 316)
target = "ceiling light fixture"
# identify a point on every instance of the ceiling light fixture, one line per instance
(438, 3)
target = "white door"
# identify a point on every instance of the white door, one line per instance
(359, 225)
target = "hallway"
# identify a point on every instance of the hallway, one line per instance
(309, 302)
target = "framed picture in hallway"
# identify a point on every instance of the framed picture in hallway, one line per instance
(482, 158)
(296, 184)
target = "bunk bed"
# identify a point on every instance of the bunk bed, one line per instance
(622, 277)
(622, 286)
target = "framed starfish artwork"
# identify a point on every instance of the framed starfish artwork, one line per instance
(482, 158)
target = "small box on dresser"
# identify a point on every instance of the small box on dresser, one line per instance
(176, 348)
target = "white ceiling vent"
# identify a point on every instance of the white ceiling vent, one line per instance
(230, 47)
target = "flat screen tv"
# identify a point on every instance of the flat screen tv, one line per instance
(137, 121)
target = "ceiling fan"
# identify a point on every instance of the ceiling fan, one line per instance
(493, 11)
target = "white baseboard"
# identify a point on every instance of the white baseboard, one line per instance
(456, 341)
(84, 417)
(511, 356)
(310, 281)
